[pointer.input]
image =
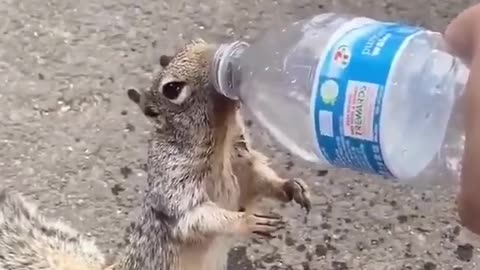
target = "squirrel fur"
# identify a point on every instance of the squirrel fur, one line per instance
(204, 182)
(204, 178)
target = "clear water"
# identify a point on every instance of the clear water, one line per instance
(277, 76)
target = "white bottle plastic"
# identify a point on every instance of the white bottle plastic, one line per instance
(352, 92)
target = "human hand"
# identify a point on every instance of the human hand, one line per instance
(462, 34)
(463, 38)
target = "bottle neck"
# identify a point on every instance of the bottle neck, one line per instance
(226, 69)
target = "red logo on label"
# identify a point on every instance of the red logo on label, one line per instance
(342, 56)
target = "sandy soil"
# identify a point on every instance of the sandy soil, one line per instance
(73, 142)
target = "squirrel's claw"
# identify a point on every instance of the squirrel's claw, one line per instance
(260, 224)
(297, 190)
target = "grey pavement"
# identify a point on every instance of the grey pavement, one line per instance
(72, 142)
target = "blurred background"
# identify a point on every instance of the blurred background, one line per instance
(72, 141)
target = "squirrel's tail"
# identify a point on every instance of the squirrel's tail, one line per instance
(28, 240)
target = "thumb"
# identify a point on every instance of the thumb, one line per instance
(461, 35)
(458, 41)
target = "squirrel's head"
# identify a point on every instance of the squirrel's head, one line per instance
(182, 96)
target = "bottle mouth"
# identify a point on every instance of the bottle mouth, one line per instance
(224, 79)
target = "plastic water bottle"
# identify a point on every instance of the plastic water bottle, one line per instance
(352, 92)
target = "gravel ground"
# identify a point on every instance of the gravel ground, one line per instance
(73, 142)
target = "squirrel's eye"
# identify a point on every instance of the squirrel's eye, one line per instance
(172, 90)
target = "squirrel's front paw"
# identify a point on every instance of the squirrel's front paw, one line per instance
(260, 224)
(296, 189)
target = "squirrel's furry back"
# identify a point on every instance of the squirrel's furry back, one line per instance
(28, 240)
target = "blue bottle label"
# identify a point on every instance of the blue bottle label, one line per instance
(347, 99)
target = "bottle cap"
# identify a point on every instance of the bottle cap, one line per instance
(224, 79)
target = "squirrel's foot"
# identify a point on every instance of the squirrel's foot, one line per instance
(259, 224)
(296, 189)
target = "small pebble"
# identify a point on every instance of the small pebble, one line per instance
(464, 252)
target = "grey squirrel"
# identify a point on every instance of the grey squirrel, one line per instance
(203, 184)
(204, 178)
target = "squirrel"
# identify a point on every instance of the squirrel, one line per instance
(30, 241)
(204, 178)
(203, 183)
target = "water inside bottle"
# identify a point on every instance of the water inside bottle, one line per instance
(276, 85)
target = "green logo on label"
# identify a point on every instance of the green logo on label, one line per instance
(329, 92)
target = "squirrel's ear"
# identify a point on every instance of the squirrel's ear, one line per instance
(165, 60)
(134, 95)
